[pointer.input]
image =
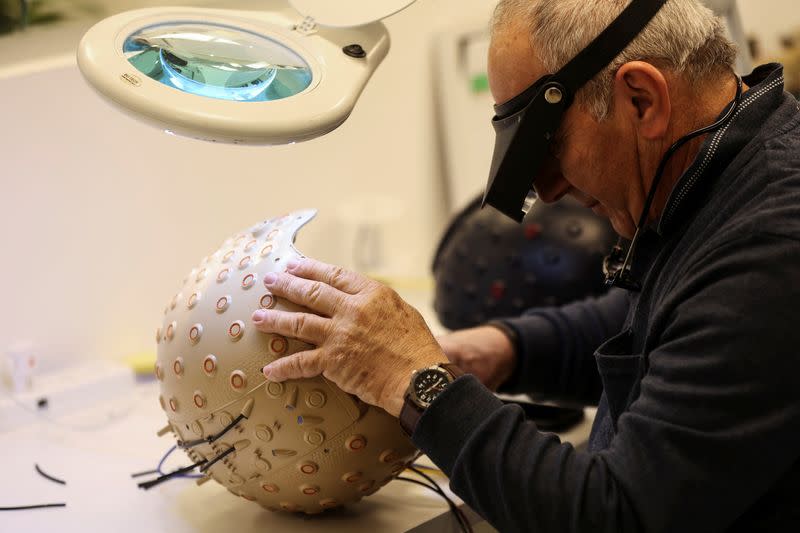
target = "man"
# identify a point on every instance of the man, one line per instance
(698, 425)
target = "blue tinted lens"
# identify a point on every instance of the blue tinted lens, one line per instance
(217, 61)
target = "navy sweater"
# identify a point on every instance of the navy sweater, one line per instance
(697, 376)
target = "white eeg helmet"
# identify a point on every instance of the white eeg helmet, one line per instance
(302, 445)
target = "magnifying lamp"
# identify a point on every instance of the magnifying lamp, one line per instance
(255, 77)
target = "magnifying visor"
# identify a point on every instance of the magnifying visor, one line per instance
(526, 125)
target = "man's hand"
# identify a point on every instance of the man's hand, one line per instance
(368, 340)
(485, 351)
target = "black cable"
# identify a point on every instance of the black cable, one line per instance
(27, 507)
(459, 513)
(211, 439)
(435, 486)
(41, 505)
(145, 473)
(679, 144)
(192, 443)
(166, 477)
(48, 476)
(416, 469)
(464, 526)
(420, 473)
(180, 472)
(218, 458)
(146, 485)
(622, 278)
(204, 465)
(462, 518)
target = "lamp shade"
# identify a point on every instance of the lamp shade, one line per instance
(251, 77)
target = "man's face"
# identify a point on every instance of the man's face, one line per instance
(590, 161)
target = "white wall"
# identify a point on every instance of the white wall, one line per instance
(101, 217)
(770, 19)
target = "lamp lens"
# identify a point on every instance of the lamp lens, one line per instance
(217, 61)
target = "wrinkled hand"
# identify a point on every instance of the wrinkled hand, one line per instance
(368, 340)
(485, 352)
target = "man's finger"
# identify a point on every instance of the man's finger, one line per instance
(335, 276)
(306, 364)
(306, 327)
(315, 295)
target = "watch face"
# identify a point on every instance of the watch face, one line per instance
(429, 383)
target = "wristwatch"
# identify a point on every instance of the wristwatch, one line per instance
(425, 386)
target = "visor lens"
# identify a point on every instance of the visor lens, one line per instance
(524, 130)
(530, 201)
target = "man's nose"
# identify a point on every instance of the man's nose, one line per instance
(550, 184)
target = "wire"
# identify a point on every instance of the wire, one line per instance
(218, 458)
(236, 400)
(41, 505)
(422, 467)
(27, 507)
(462, 524)
(212, 438)
(243, 415)
(48, 476)
(146, 485)
(622, 278)
(145, 473)
(424, 475)
(462, 518)
(164, 460)
(453, 507)
(205, 464)
(180, 472)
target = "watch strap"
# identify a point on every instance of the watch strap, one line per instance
(411, 412)
(454, 370)
(409, 416)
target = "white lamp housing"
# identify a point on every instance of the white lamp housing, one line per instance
(254, 77)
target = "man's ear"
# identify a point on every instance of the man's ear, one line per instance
(641, 93)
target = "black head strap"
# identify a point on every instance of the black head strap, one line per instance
(609, 44)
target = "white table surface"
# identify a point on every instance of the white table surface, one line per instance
(97, 444)
(96, 450)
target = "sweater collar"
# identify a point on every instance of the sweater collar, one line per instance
(720, 148)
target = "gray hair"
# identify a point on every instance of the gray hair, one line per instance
(684, 37)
